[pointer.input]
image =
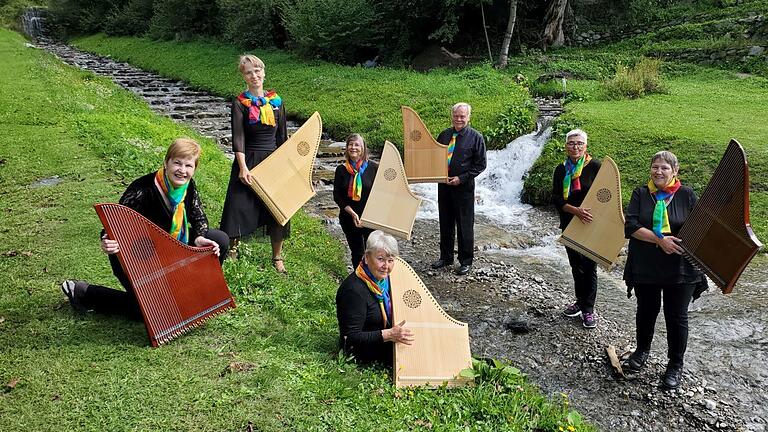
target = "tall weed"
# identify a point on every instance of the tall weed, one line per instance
(632, 83)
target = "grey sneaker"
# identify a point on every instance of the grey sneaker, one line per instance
(572, 310)
(589, 320)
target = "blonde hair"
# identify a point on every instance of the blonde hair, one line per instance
(250, 59)
(358, 138)
(183, 148)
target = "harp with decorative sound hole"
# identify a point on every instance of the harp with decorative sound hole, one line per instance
(283, 180)
(426, 160)
(440, 350)
(391, 205)
(178, 287)
(717, 237)
(602, 239)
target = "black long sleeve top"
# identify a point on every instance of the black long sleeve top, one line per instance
(360, 322)
(468, 159)
(575, 198)
(256, 136)
(341, 185)
(647, 263)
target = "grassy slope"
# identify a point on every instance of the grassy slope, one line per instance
(350, 99)
(703, 110)
(97, 373)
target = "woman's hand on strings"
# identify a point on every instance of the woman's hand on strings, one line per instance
(109, 246)
(201, 241)
(669, 245)
(398, 334)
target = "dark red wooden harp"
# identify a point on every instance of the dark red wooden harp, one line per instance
(178, 287)
(717, 237)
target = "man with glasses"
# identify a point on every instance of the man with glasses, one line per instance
(570, 184)
(456, 198)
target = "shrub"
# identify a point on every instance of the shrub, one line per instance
(343, 31)
(131, 20)
(515, 120)
(249, 23)
(79, 16)
(183, 19)
(643, 78)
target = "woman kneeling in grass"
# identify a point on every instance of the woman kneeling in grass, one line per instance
(168, 198)
(364, 305)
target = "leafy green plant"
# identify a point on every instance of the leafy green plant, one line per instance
(644, 78)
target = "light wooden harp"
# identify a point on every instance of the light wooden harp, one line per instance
(283, 180)
(717, 236)
(440, 350)
(426, 160)
(391, 205)
(602, 239)
(177, 286)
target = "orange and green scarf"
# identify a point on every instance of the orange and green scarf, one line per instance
(379, 289)
(255, 113)
(660, 215)
(179, 225)
(355, 189)
(452, 147)
(571, 182)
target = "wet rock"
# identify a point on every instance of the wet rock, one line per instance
(518, 323)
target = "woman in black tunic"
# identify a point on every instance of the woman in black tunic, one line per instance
(168, 198)
(570, 183)
(258, 128)
(364, 305)
(351, 187)
(655, 266)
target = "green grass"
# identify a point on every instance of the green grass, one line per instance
(272, 361)
(350, 99)
(703, 109)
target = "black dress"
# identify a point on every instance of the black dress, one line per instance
(244, 212)
(356, 237)
(360, 323)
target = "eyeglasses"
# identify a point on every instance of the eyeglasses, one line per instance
(575, 144)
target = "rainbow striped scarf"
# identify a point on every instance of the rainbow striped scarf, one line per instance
(179, 225)
(660, 215)
(256, 114)
(380, 290)
(571, 180)
(355, 189)
(452, 147)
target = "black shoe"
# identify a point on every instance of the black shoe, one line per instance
(635, 362)
(75, 290)
(441, 263)
(672, 376)
(463, 269)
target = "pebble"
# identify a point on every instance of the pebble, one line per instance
(710, 404)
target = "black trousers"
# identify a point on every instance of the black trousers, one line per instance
(456, 205)
(115, 302)
(584, 272)
(677, 297)
(356, 238)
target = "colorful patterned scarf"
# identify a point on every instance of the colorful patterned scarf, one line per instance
(355, 189)
(179, 225)
(451, 147)
(660, 215)
(380, 290)
(255, 114)
(571, 182)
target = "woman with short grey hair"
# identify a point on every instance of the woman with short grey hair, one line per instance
(364, 305)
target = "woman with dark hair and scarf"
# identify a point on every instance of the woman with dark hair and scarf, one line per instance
(655, 265)
(570, 183)
(351, 186)
(364, 305)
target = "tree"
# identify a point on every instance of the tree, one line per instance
(553, 30)
(504, 55)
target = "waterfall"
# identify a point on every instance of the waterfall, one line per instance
(32, 22)
(498, 188)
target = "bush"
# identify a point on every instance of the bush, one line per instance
(131, 20)
(79, 16)
(633, 83)
(183, 19)
(343, 31)
(249, 23)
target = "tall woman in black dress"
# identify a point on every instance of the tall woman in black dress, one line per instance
(258, 128)
(351, 187)
(655, 266)
(570, 183)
